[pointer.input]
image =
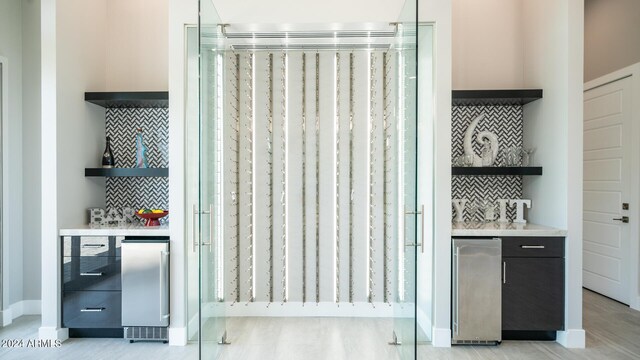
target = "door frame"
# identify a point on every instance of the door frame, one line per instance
(633, 72)
(5, 313)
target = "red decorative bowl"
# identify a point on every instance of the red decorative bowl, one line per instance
(151, 219)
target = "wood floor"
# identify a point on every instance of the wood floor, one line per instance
(613, 332)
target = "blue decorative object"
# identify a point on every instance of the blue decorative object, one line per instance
(141, 151)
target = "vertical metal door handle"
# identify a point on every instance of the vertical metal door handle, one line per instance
(422, 229)
(504, 272)
(161, 268)
(210, 228)
(161, 287)
(421, 213)
(457, 323)
(193, 226)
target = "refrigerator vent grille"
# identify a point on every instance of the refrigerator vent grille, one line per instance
(475, 342)
(146, 333)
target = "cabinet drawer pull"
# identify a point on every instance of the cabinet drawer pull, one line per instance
(504, 272)
(93, 245)
(532, 246)
(93, 309)
(91, 274)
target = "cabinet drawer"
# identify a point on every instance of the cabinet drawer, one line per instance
(91, 273)
(532, 246)
(91, 309)
(91, 246)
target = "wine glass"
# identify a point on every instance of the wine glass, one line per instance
(527, 156)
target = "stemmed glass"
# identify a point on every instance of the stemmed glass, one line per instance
(527, 156)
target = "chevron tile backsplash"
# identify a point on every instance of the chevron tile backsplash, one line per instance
(122, 125)
(506, 123)
(138, 192)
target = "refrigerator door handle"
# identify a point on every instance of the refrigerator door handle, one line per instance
(457, 292)
(163, 269)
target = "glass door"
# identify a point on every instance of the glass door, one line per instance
(409, 211)
(2, 95)
(209, 211)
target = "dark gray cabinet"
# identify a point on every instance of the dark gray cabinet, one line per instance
(533, 287)
(92, 286)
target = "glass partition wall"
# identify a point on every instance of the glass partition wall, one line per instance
(307, 201)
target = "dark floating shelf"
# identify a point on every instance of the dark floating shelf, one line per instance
(157, 172)
(495, 97)
(489, 171)
(129, 99)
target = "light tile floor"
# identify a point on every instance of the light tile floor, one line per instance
(613, 332)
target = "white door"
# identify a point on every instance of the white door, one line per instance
(607, 136)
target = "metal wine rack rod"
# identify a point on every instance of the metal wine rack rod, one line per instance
(284, 159)
(250, 163)
(372, 141)
(270, 174)
(386, 178)
(351, 188)
(337, 133)
(304, 178)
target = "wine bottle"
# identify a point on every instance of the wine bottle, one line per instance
(108, 160)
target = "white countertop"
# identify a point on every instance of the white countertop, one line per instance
(503, 229)
(131, 230)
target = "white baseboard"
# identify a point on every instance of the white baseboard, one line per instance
(177, 336)
(441, 337)
(635, 305)
(52, 333)
(572, 338)
(6, 317)
(26, 307)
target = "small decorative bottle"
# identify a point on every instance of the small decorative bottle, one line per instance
(487, 153)
(141, 151)
(108, 161)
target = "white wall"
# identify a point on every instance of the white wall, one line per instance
(180, 13)
(11, 49)
(610, 27)
(81, 54)
(31, 146)
(487, 44)
(137, 45)
(553, 37)
(73, 34)
(50, 250)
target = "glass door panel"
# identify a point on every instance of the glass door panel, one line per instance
(192, 179)
(212, 321)
(409, 211)
(426, 182)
